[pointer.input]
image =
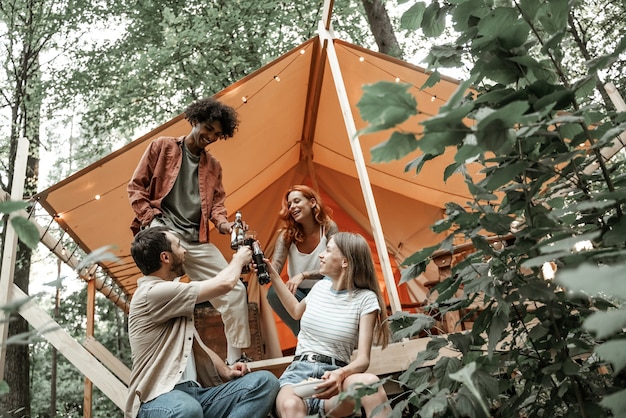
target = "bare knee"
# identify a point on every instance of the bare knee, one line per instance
(289, 405)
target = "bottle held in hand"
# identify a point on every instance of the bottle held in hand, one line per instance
(238, 233)
(240, 237)
(258, 258)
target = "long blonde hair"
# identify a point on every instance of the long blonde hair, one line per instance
(361, 274)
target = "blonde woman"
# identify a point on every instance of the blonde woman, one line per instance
(342, 311)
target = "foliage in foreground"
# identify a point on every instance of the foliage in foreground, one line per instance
(534, 127)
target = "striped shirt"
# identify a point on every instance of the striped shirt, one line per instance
(330, 323)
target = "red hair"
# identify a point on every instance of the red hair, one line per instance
(293, 231)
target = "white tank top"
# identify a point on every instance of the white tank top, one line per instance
(298, 262)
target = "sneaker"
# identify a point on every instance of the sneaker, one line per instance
(243, 359)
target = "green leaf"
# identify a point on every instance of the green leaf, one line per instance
(416, 379)
(406, 325)
(568, 243)
(614, 352)
(432, 79)
(412, 19)
(494, 131)
(4, 388)
(497, 223)
(444, 368)
(504, 174)
(537, 332)
(98, 255)
(420, 256)
(434, 20)
(530, 8)
(499, 322)
(559, 99)
(435, 405)
(616, 235)
(465, 376)
(554, 15)
(616, 402)
(398, 146)
(491, 27)
(418, 163)
(26, 231)
(603, 60)
(593, 280)
(461, 342)
(9, 206)
(605, 324)
(386, 104)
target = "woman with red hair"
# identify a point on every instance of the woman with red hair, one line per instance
(307, 227)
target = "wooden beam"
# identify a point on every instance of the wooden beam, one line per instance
(70, 348)
(91, 314)
(107, 358)
(396, 357)
(10, 247)
(359, 160)
(327, 12)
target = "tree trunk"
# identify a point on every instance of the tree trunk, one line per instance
(381, 27)
(25, 113)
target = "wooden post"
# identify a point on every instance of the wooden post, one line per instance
(366, 187)
(91, 310)
(10, 248)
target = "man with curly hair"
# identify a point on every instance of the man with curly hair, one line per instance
(178, 183)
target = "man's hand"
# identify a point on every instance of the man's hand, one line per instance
(227, 227)
(243, 256)
(237, 370)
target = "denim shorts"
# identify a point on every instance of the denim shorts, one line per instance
(298, 371)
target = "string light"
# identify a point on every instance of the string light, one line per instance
(244, 99)
(97, 197)
(432, 99)
(397, 79)
(302, 51)
(361, 59)
(277, 78)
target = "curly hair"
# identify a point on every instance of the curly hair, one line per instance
(208, 110)
(361, 274)
(293, 231)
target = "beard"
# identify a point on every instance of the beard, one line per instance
(178, 267)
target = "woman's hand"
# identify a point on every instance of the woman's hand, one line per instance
(294, 282)
(332, 384)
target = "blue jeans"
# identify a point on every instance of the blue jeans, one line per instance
(252, 395)
(280, 310)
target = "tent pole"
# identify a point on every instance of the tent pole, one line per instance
(10, 247)
(366, 186)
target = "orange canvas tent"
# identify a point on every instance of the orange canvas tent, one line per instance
(298, 120)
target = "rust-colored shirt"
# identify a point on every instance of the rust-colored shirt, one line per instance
(155, 175)
(162, 337)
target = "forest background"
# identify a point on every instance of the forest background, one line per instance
(82, 78)
(77, 97)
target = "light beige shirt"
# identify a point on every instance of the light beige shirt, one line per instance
(162, 336)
